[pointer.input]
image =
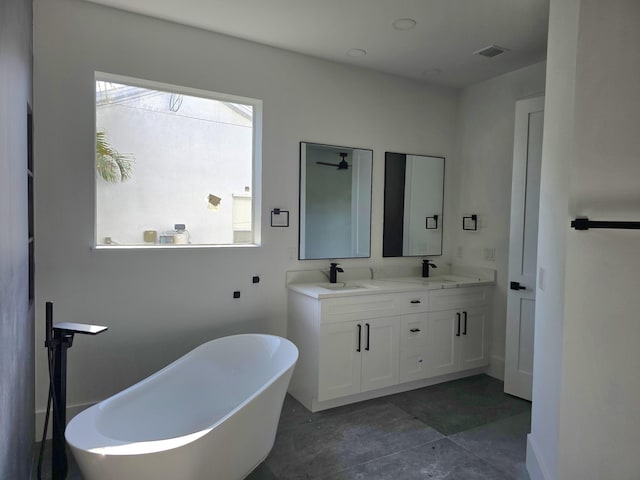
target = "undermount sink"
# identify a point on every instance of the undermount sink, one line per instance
(449, 279)
(342, 286)
(438, 280)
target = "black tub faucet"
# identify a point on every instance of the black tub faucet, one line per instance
(426, 263)
(333, 272)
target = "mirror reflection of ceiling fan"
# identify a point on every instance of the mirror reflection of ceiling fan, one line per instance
(343, 165)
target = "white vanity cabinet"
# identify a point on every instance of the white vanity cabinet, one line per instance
(353, 344)
(357, 356)
(458, 320)
(359, 344)
(449, 337)
(347, 344)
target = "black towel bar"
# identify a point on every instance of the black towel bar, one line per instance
(584, 223)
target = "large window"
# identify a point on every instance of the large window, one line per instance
(175, 166)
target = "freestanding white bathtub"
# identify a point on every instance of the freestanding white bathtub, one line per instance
(212, 414)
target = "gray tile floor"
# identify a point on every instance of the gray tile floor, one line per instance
(464, 429)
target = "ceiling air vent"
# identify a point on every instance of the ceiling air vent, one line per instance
(491, 51)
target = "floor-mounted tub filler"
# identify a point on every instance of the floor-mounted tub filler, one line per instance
(211, 414)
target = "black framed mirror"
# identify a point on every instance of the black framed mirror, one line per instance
(335, 202)
(413, 205)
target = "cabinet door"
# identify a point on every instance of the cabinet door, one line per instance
(414, 347)
(474, 342)
(340, 361)
(380, 352)
(443, 337)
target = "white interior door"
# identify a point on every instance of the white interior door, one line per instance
(523, 246)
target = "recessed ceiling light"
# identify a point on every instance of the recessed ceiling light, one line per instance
(404, 24)
(356, 52)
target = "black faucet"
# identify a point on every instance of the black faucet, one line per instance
(333, 272)
(426, 263)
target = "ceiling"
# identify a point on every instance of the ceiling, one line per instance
(438, 49)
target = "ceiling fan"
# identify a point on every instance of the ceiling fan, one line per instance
(343, 165)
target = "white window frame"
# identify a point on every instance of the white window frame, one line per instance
(256, 165)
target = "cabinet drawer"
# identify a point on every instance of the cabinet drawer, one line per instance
(412, 302)
(357, 308)
(413, 333)
(362, 307)
(449, 298)
(414, 347)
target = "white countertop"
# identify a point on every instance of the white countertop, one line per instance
(386, 285)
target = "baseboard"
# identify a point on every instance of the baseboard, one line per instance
(535, 466)
(496, 367)
(72, 411)
(316, 406)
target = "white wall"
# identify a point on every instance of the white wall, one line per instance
(159, 304)
(485, 128)
(601, 381)
(16, 319)
(585, 422)
(542, 448)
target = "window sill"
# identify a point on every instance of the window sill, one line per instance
(168, 247)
